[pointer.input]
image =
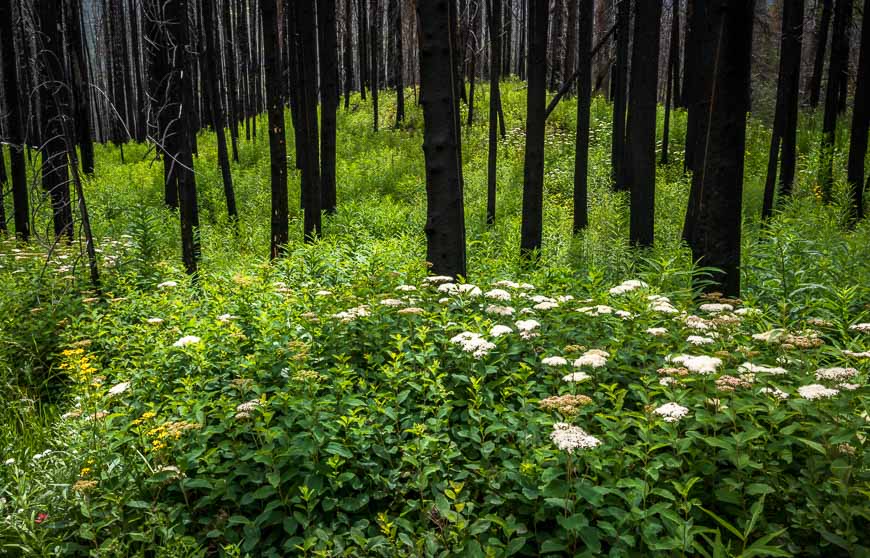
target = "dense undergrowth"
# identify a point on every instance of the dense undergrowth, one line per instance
(289, 423)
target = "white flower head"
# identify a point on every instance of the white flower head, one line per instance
(406, 288)
(554, 361)
(835, 374)
(167, 285)
(499, 310)
(546, 305)
(498, 294)
(473, 343)
(576, 377)
(861, 328)
(528, 325)
(154, 321)
(854, 354)
(448, 288)
(392, 302)
(469, 289)
(671, 412)
(747, 311)
(699, 340)
(657, 331)
(701, 364)
(187, 340)
(499, 330)
(437, 279)
(817, 391)
(714, 308)
(593, 358)
(761, 369)
(568, 437)
(118, 389)
(224, 318)
(774, 392)
(771, 336)
(628, 286)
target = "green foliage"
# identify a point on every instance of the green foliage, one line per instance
(293, 427)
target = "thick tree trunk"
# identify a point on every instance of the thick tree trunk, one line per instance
(280, 228)
(80, 86)
(17, 165)
(784, 132)
(306, 26)
(374, 33)
(445, 213)
(584, 102)
(815, 83)
(495, 22)
(836, 67)
(328, 60)
(860, 121)
(620, 84)
(533, 179)
(555, 57)
(641, 137)
(693, 93)
(714, 229)
(55, 105)
(570, 65)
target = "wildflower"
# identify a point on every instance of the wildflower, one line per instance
(820, 322)
(352, 314)
(835, 374)
(774, 392)
(323, 293)
(564, 404)
(449, 288)
(715, 308)
(167, 285)
(527, 327)
(696, 322)
(667, 380)
(816, 391)
(760, 368)
(411, 310)
(545, 305)
(667, 371)
(392, 302)
(554, 361)
(848, 386)
(437, 279)
(664, 306)
(596, 310)
(9, 462)
(699, 340)
(499, 330)
(473, 343)
(701, 364)
(187, 340)
(861, 328)
(154, 321)
(84, 485)
(248, 406)
(731, 383)
(507, 284)
(568, 437)
(406, 288)
(853, 354)
(846, 449)
(747, 311)
(498, 294)
(224, 318)
(671, 412)
(627, 286)
(771, 336)
(469, 289)
(40, 517)
(576, 377)
(537, 299)
(564, 298)
(657, 331)
(169, 469)
(118, 389)
(594, 358)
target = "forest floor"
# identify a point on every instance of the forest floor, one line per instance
(338, 403)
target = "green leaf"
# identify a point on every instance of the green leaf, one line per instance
(724, 523)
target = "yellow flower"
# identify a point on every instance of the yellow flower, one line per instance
(85, 472)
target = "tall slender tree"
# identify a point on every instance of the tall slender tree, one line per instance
(14, 123)
(693, 94)
(445, 212)
(860, 120)
(362, 46)
(495, 67)
(231, 72)
(784, 134)
(80, 86)
(620, 85)
(836, 69)
(395, 17)
(584, 102)
(472, 53)
(374, 33)
(815, 83)
(306, 26)
(671, 78)
(713, 219)
(3, 179)
(571, 41)
(280, 227)
(328, 61)
(533, 176)
(348, 52)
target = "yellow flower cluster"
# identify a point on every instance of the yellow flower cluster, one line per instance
(168, 431)
(146, 416)
(78, 364)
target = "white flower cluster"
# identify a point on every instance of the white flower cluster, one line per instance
(392, 302)
(596, 310)
(817, 391)
(628, 286)
(554, 361)
(715, 308)
(568, 437)
(861, 328)
(513, 285)
(761, 369)
(747, 312)
(701, 364)
(576, 377)
(657, 331)
(469, 289)
(499, 310)
(406, 288)
(118, 389)
(696, 322)
(700, 340)
(546, 305)
(352, 314)
(187, 340)
(835, 374)
(671, 412)
(658, 303)
(498, 294)
(154, 321)
(499, 330)
(473, 343)
(853, 354)
(437, 279)
(167, 285)
(774, 392)
(224, 318)
(593, 358)
(772, 336)
(527, 328)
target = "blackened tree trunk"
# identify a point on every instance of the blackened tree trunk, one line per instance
(860, 121)
(474, 24)
(620, 85)
(374, 33)
(280, 228)
(3, 180)
(693, 93)
(641, 138)
(80, 86)
(521, 49)
(55, 106)
(182, 97)
(571, 42)
(445, 212)
(495, 66)
(556, 46)
(675, 45)
(214, 83)
(348, 53)
(306, 26)
(714, 229)
(836, 67)
(232, 81)
(584, 102)
(328, 59)
(533, 178)
(784, 135)
(846, 44)
(293, 87)
(507, 36)
(672, 79)
(398, 58)
(362, 38)
(815, 83)
(17, 168)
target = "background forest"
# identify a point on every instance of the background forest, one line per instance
(434, 278)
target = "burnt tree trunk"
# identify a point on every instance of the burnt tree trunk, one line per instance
(374, 33)
(641, 137)
(860, 121)
(348, 53)
(362, 43)
(306, 32)
(474, 27)
(495, 66)
(836, 68)
(445, 212)
(714, 214)
(17, 165)
(398, 58)
(672, 78)
(620, 86)
(571, 43)
(533, 176)
(584, 102)
(328, 61)
(80, 86)
(815, 83)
